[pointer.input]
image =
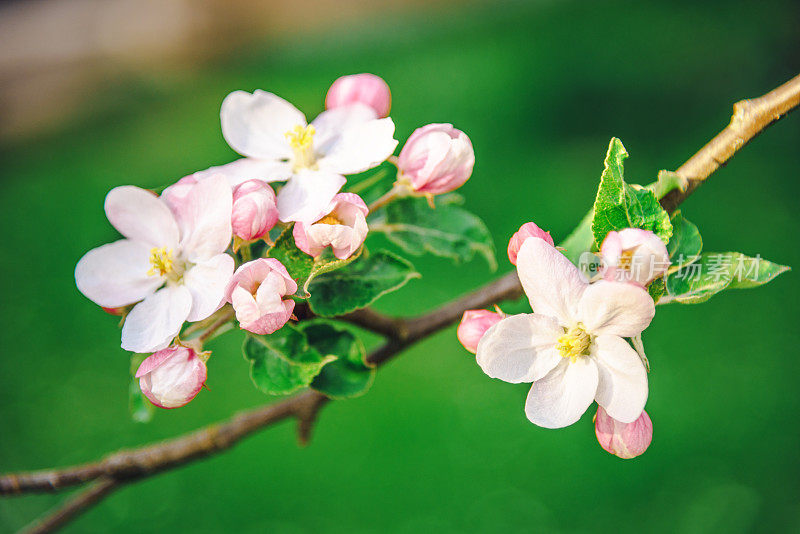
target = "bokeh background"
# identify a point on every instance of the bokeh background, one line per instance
(97, 94)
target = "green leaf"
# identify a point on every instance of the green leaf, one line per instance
(302, 267)
(716, 271)
(447, 230)
(686, 244)
(656, 289)
(620, 205)
(298, 263)
(359, 284)
(349, 375)
(282, 362)
(666, 182)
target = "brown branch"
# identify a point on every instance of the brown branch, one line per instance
(750, 118)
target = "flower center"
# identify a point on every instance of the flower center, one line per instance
(161, 262)
(626, 259)
(329, 219)
(301, 139)
(574, 343)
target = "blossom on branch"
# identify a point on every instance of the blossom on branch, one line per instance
(525, 231)
(475, 323)
(436, 159)
(365, 88)
(313, 157)
(626, 440)
(254, 210)
(172, 377)
(343, 227)
(256, 292)
(171, 262)
(634, 255)
(571, 348)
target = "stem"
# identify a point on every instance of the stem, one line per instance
(224, 319)
(395, 192)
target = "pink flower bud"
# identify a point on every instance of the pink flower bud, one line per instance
(343, 228)
(525, 231)
(436, 159)
(171, 377)
(633, 255)
(475, 323)
(255, 211)
(366, 89)
(626, 440)
(256, 292)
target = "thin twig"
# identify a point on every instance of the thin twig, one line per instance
(750, 118)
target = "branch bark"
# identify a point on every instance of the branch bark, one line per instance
(750, 118)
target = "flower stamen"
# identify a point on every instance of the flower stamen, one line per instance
(161, 261)
(574, 343)
(301, 139)
(329, 219)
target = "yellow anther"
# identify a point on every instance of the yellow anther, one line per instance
(574, 343)
(301, 139)
(161, 261)
(626, 259)
(329, 219)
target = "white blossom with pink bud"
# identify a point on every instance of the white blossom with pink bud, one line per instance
(367, 89)
(571, 348)
(626, 440)
(314, 158)
(475, 323)
(256, 292)
(436, 159)
(171, 263)
(255, 211)
(343, 227)
(634, 255)
(525, 231)
(172, 377)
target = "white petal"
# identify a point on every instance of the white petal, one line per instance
(359, 147)
(116, 274)
(207, 282)
(331, 124)
(520, 348)
(205, 218)
(255, 125)
(623, 380)
(560, 398)
(244, 169)
(153, 323)
(553, 284)
(140, 215)
(307, 195)
(244, 303)
(615, 308)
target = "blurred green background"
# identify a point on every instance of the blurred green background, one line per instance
(436, 446)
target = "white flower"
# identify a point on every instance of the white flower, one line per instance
(312, 157)
(172, 261)
(572, 346)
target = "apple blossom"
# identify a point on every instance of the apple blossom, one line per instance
(525, 231)
(256, 292)
(312, 157)
(172, 377)
(634, 255)
(171, 262)
(436, 159)
(343, 227)
(572, 346)
(626, 440)
(365, 88)
(475, 323)
(254, 210)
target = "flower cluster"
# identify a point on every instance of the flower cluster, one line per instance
(186, 255)
(573, 347)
